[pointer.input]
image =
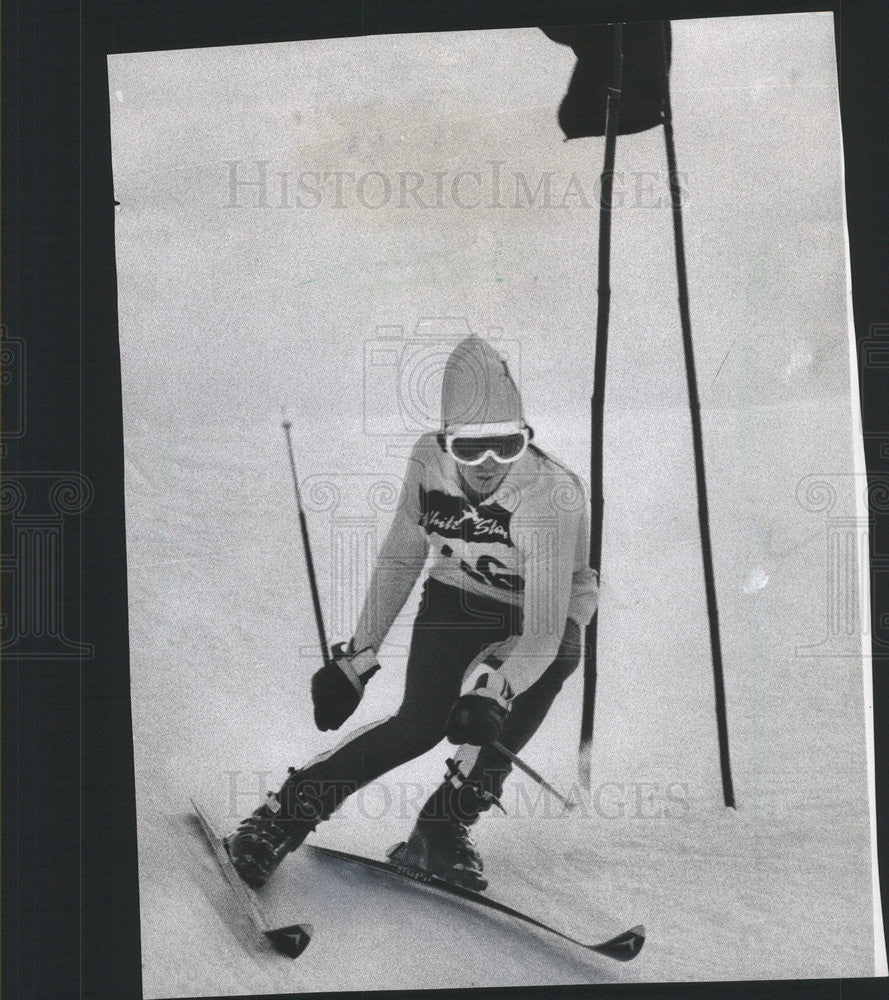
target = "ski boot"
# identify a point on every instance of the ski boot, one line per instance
(442, 848)
(271, 832)
(441, 843)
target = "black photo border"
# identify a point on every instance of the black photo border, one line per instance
(70, 909)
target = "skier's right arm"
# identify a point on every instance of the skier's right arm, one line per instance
(399, 564)
(338, 687)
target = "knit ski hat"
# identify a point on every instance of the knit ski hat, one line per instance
(478, 389)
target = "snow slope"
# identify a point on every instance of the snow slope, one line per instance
(229, 312)
(220, 698)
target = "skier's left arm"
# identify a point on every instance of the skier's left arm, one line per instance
(555, 587)
(584, 580)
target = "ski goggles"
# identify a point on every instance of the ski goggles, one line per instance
(472, 446)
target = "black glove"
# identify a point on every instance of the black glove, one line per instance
(478, 717)
(338, 686)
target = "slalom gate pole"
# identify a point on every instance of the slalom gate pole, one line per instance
(597, 401)
(728, 792)
(522, 766)
(307, 548)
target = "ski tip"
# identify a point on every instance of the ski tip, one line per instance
(290, 941)
(624, 947)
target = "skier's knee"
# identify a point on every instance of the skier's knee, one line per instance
(414, 736)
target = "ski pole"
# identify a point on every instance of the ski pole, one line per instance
(522, 766)
(597, 401)
(310, 566)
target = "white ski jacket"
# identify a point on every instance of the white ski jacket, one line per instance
(526, 544)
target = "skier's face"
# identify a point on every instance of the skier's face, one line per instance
(485, 477)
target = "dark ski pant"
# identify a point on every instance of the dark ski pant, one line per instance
(483, 770)
(452, 631)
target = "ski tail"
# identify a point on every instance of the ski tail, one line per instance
(292, 940)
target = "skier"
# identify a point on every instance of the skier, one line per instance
(508, 591)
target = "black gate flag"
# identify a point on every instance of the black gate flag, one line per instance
(621, 85)
(582, 111)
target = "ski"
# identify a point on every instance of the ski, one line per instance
(623, 947)
(290, 941)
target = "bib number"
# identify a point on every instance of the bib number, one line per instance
(487, 571)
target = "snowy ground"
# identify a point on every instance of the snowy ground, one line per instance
(227, 313)
(780, 888)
